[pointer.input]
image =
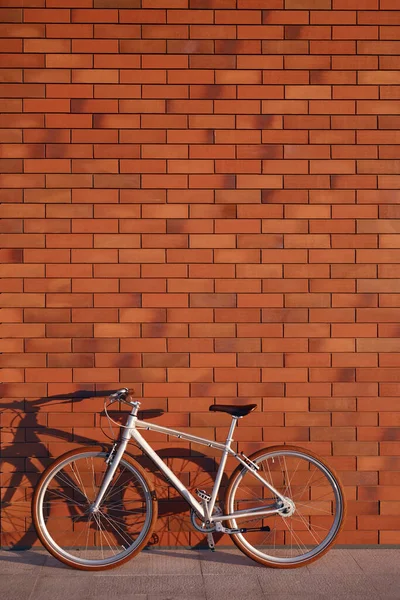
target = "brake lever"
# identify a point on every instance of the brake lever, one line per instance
(118, 397)
(119, 394)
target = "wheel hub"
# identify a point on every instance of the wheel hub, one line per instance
(92, 510)
(288, 508)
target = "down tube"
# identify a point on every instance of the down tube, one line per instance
(167, 472)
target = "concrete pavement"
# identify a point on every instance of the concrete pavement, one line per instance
(179, 574)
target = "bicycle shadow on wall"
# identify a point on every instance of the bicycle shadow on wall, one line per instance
(23, 461)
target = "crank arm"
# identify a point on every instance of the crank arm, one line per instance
(210, 542)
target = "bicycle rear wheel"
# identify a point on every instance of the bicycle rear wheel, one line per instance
(77, 536)
(296, 539)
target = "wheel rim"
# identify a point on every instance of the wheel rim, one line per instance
(93, 539)
(317, 516)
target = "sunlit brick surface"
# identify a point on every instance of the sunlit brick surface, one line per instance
(200, 201)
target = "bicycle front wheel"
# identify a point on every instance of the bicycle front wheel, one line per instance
(293, 539)
(85, 539)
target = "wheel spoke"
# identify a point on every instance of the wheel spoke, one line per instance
(87, 533)
(327, 512)
(77, 476)
(68, 482)
(310, 526)
(68, 529)
(97, 519)
(288, 488)
(127, 512)
(93, 481)
(61, 495)
(294, 473)
(116, 491)
(307, 484)
(303, 520)
(116, 527)
(114, 484)
(294, 535)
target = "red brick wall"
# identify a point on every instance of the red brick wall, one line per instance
(201, 201)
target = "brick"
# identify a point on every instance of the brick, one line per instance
(335, 78)
(309, 389)
(252, 4)
(308, 91)
(308, 4)
(378, 47)
(333, 47)
(23, 60)
(50, 46)
(22, 31)
(14, 90)
(332, 107)
(87, 76)
(68, 30)
(355, 152)
(47, 165)
(68, 61)
(377, 107)
(358, 33)
(35, 15)
(306, 330)
(11, 106)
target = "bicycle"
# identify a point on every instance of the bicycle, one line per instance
(95, 508)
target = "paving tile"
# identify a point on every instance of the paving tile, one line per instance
(55, 568)
(157, 585)
(157, 561)
(337, 586)
(317, 596)
(227, 561)
(160, 562)
(104, 588)
(284, 581)
(52, 587)
(335, 561)
(17, 588)
(378, 561)
(232, 587)
(12, 561)
(387, 586)
(194, 595)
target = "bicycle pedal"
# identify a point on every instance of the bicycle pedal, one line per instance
(210, 542)
(203, 495)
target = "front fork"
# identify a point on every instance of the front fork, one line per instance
(113, 462)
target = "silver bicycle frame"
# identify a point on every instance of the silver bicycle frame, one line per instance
(131, 431)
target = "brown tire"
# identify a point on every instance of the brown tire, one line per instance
(259, 556)
(130, 465)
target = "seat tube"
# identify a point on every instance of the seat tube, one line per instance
(222, 464)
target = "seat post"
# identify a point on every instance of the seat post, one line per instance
(229, 439)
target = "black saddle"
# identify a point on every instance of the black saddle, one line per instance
(233, 409)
